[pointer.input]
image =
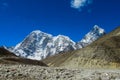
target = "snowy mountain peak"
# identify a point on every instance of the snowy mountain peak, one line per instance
(39, 45)
(63, 37)
(91, 36)
(94, 34)
(96, 28)
(40, 33)
(37, 31)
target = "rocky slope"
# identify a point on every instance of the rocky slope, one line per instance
(103, 53)
(6, 53)
(39, 45)
(27, 72)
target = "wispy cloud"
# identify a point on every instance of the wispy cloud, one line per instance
(3, 4)
(79, 4)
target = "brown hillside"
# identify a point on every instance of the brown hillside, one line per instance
(7, 57)
(6, 53)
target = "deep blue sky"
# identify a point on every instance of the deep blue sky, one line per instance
(19, 17)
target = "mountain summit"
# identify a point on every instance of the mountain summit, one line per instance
(39, 45)
(91, 36)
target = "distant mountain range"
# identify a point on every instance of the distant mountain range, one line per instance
(39, 45)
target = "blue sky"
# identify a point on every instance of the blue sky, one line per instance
(73, 18)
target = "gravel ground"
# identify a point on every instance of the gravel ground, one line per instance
(29, 72)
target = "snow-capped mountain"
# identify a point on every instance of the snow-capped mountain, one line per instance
(38, 45)
(91, 36)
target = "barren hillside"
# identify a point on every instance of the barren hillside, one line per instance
(7, 57)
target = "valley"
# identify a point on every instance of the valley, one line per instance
(98, 60)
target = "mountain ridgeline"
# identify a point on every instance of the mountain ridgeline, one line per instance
(102, 53)
(39, 45)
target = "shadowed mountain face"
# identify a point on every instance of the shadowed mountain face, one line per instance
(5, 53)
(7, 57)
(103, 53)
